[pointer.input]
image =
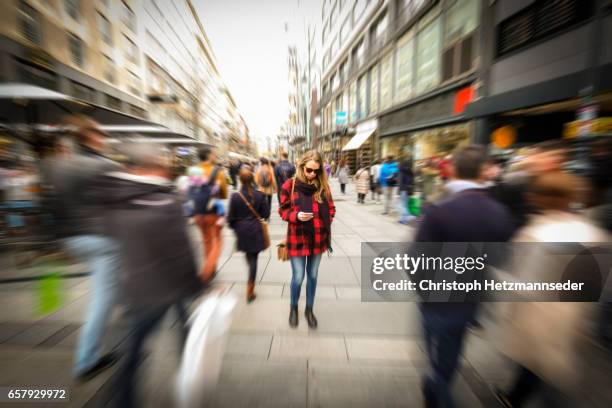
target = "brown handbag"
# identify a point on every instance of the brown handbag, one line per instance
(282, 252)
(264, 224)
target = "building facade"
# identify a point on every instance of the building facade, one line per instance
(397, 75)
(147, 58)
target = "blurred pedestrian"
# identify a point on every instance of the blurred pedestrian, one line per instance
(362, 179)
(375, 181)
(246, 209)
(283, 171)
(544, 338)
(470, 216)
(406, 187)
(158, 267)
(389, 177)
(233, 171)
(208, 219)
(308, 207)
(266, 182)
(80, 222)
(328, 169)
(343, 175)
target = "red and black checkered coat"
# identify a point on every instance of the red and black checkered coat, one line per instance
(297, 242)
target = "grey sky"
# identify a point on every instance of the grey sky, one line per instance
(249, 40)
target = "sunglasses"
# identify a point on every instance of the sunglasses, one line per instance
(308, 170)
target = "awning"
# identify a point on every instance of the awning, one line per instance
(364, 131)
(29, 104)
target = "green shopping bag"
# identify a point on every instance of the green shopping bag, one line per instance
(49, 288)
(414, 205)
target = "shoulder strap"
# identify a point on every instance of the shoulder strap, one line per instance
(292, 190)
(249, 205)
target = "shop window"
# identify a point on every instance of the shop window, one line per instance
(362, 101)
(30, 74)
(132, 50)
(428, 56)
(109, 69)
(404, 72)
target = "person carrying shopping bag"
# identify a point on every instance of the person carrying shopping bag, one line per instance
(307, 206)
(248, 208)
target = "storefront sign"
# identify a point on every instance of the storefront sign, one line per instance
(600, 126)
(462, 98)
(341, 118)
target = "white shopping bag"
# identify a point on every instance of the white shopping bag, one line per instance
(203, 353)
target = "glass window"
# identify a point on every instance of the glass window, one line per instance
(345, 30)
(360, 6)
(129, 18)
(404, 67)
(105, 29)
(72, 8)
(343, 71)
(334, 82)
(109, 69)
(461, 19)
(112, 102)
(374, 89)
(386, 81)
(132, 50)
(83, 92)
(134, 84)
(353, 113)
(332, 17)
(381, 26)
(30, 26)
(363, 97)
(428, 57)
(76, 49)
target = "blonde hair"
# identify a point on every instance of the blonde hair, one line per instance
(323, 190)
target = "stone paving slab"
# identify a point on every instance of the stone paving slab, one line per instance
(290, 347)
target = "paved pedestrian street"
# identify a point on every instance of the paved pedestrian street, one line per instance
(362, 355)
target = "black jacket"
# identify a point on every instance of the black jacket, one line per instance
(145, 216)
(247, 227)
(406, 177)
(283, 171)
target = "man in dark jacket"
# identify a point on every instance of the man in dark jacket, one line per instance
(283, 171)
(469, 216)
(158, 267)
(79, 222)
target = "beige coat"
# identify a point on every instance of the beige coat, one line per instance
(545, 336)
(271, 189)
(362, 178)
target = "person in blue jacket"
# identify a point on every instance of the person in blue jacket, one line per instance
(389, 175)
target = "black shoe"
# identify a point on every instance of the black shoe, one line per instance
(293, 317)
(310, 318)
(106, 362)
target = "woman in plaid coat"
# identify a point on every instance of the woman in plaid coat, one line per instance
(306, 204)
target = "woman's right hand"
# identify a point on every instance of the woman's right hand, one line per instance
(302, 216)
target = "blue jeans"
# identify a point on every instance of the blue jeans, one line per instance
(101, 255)
(299, 266)
(403, 207)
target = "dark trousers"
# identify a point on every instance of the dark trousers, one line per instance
(143, 322)
(252, 262)
(525, 385)
(343, 188)
(269, 201)
(361, 198)
(444, 326)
